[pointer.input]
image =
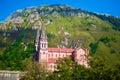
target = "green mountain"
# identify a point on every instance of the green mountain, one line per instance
(65, 27)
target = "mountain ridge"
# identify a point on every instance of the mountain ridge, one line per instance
(59, 9)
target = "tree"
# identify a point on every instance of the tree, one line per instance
(80, 72)
(116, 72)
(34, 71)
(64, 67)
(94, 47)
(69, 70)
(99, 69)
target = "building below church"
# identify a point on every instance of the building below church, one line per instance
(49, 55)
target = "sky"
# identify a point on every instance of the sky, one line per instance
(111, 7)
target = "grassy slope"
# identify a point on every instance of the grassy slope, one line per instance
(82, 28)
(89, 29)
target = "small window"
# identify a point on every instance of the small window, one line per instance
(59, 55)
(48, 55)
(43, 52)
(51, 65)
(44, 45)
(52, 55)
(56, 55)
(63, 55)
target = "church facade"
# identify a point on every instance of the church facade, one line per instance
(49, 55)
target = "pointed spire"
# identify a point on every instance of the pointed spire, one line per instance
(38, 31)
(42, 32)
(37, 35)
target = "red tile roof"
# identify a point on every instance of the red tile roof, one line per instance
(70, 50)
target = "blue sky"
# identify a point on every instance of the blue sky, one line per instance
(111, 7)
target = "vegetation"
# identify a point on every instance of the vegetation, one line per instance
(67, 69)
(98, 33)
(15, 56)
(64, 30)
(94, 46)
(114, 20)
(34, 71)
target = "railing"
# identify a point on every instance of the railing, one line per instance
(9, 75)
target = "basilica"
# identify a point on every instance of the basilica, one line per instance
(50, 55)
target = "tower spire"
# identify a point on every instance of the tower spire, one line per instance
(36, 42)
(38, 31)
(42, 32)
(41, 44)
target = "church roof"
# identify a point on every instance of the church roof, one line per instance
(69, 50)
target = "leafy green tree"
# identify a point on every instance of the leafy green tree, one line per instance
(80, 72)
(34, 71)
(64, 68)
(93, 47)
(116, 72)
(105, 39)
(99, 68)
(14, 57)
(69, 70)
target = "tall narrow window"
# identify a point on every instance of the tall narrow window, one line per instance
(56, 55)
(51, 65)
(42, 45)
(48, 55)
(45, 45)
(63, 55)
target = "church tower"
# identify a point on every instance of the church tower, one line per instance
(41, 46)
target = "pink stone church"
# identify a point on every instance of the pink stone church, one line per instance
(49, 55)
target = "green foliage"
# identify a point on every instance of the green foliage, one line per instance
(116, 72)
(114, 20)
(14, 56)
(102, 71)
(34, 71)
(99, 33)
(2, 44)
(98, 70)
(98, 67)
(80, 72)
(105, 39)
(63, 71)
(112, 51)
(97, 36)
(93, 47)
